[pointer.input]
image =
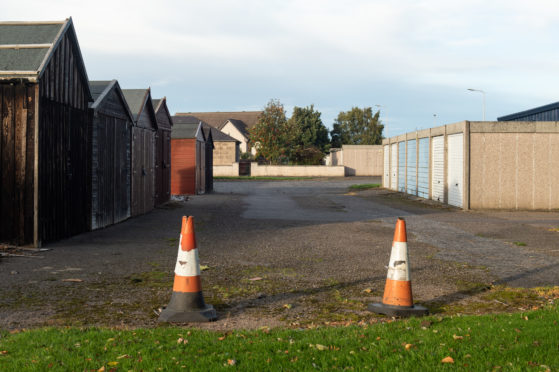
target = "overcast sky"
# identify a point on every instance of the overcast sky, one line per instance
(414, 58)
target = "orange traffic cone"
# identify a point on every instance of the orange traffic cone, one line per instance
(187, 302)
(397, 300)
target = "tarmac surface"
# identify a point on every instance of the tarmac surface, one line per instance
(279, 253)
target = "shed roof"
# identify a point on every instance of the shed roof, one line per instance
(160, 104)
(534, 111)
(217, 135)
(184, 131)
(101, 88)
(138, 100)
(27, 47)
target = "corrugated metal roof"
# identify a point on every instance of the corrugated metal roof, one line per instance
(534, 114)
(184, 130)
(24, 46)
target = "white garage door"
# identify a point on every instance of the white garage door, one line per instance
(394, 167)
(437, 167)
(386, 167)
(455, 169)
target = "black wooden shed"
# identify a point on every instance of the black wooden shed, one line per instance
(44, 96)
(162, 151)
(111, 134)
(143, 150)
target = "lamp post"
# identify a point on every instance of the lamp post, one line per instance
(385, 125)
(483, 93)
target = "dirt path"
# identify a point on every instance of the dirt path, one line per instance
(285, 253)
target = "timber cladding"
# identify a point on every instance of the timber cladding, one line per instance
(17, 162)
(111, 136)
(44, 135)
(184, 169)
(143, 146)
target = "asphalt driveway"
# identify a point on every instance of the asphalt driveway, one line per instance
(284, 253)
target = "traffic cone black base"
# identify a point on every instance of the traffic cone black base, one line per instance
(186, 308)
(401, 311)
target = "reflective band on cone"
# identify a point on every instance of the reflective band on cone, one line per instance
(187, 302)
(397, 299)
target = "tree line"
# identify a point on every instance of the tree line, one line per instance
(304, 139)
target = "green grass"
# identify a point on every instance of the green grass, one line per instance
(525, 341)
(364, 186)
(520, 244)
(249, 178)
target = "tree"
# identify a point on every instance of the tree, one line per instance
(273, 135)
(310, 130)
(357, 127)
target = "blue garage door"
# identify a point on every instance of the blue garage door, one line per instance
(412, 167)
(423, 168)
(402, 167)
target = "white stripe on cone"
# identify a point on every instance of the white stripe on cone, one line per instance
(187, 262)
(398, 268)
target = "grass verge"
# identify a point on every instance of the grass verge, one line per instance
(364, 186)
(516, 342)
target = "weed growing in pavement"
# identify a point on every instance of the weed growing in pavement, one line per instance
(520, 244)
(364, 186)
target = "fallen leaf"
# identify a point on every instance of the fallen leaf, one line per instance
(288, 306)
(102, 369)
(367, 290)
(180, 340)
(112, 364)
(457, 337)
(255, 279)
(123, 356)
(408, 346)
(231, 362)
(75, 280)
(221, 338)
(447, 360)
(204, 267)
(3, 352)
(321, 347)
(426, 324)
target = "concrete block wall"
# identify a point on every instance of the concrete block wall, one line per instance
(507, 165)
(362, 160)
(225, 153)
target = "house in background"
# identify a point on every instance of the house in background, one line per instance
(143, 150)
(226, 148)
(111, 133)
(191, 159)
(44, 141)
(234, 124)
(543, 113)
(162, 151)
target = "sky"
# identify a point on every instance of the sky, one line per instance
(414, 59)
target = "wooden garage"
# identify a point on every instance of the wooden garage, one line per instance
(143, 150)
(111, 133)
(191, 160)
(162, 151)
(44, 96)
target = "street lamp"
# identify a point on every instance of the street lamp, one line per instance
(483, 93)
(385, 125)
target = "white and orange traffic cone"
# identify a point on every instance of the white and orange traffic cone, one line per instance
(397, 299)
(187, 302)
